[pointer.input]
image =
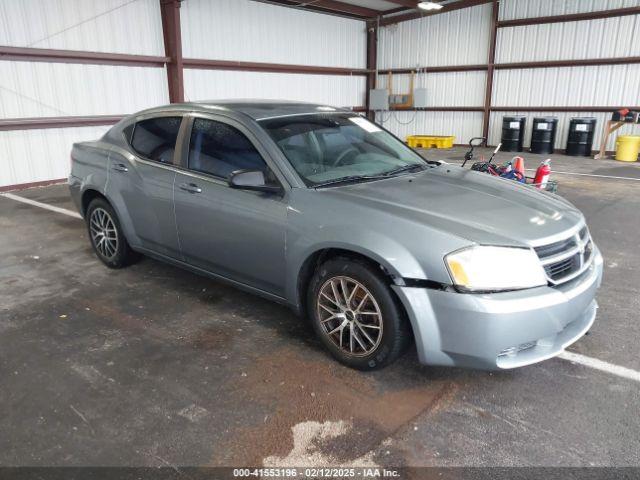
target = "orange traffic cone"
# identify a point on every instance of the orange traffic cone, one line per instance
(518, 164)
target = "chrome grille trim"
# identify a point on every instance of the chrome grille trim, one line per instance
(566, 259)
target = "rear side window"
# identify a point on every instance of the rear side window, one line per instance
(220, 149)
(155, 138)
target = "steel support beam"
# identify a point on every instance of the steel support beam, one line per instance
(583, 109)
(205, 64)
(372, 61)
(493, 33)
(573, 17)
(568, 63)
(49, 55)
(170, 12)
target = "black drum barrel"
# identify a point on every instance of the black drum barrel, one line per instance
(543, 135)
(512, 133)
(580, 139)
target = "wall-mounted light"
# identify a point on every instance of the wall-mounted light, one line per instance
(429, 6)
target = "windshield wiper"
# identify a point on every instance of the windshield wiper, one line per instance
(405, 168)
(349, 179)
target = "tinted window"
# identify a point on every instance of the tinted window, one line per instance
(155, 138)
(220, 149)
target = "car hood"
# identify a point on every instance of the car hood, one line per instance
(471, 205)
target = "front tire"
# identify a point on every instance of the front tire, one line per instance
(356, 315)
(106, 235)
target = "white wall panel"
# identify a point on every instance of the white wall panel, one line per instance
(460, 37)
(602, 38)
(495, 127)
(29, 89)
(464, 125)
(512, 9)
(38, 155)
(446, 89)
(336, 90)
(119, 26)
(245, 30)
(602, 85)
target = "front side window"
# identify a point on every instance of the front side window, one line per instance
(219, 149)
(327, 148)
(155, 138)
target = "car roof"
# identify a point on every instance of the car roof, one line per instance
(256, 109)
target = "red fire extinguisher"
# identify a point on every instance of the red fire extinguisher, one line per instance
(542, 174)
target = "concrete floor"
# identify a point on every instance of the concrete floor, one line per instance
(155, 366)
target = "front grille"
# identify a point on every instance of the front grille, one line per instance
(568, 258)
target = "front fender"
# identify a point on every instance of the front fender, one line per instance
(396, 259)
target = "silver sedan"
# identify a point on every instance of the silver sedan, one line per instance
(321, 209)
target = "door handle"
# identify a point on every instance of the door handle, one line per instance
(120, 167)
(190, 187)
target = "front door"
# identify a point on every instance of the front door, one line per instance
(235, 233)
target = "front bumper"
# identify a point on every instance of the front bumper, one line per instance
(501, 330)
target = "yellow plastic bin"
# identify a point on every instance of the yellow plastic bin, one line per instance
(430, 141)
(628, 148)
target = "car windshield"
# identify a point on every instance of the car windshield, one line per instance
(334, 148)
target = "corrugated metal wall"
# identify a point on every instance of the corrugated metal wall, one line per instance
(446, 89)
(460, 37)
(602, 38)
(335, 90)
(597, 86)
(464, 125)
(117, 26)
(29, 89)
(213, 29)
(244, 30)
(30, 156)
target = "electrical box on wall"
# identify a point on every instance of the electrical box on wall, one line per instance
(420, 98)
(378, 99)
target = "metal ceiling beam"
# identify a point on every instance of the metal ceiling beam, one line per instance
(573, 17)
(449, 7)
(329, 6)
(405, 3)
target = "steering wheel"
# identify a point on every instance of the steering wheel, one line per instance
(343, 156)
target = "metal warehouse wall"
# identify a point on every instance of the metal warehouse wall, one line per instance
(29, 89)
(243, 30)
(580, 86)
(460, 37)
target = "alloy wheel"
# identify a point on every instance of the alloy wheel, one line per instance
(349, 315)
(103, 233)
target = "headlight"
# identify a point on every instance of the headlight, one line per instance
(495, 268)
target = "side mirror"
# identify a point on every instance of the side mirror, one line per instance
(251, 180)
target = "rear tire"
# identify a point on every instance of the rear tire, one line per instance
(356, 315)
(106, 235)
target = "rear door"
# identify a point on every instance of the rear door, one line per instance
(238, 234)
(143, 180)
